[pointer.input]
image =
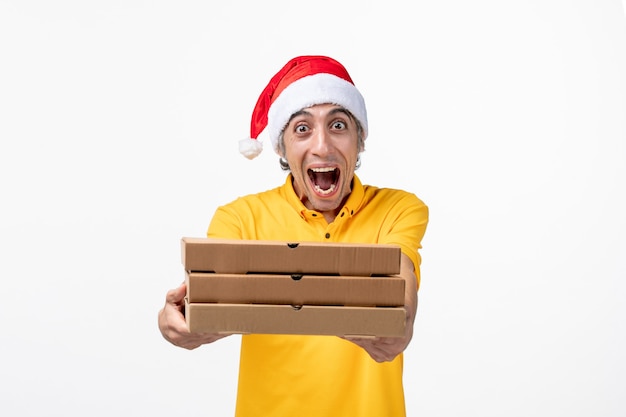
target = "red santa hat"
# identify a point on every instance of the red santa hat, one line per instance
(303, 82)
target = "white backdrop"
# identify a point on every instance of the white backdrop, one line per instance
(119, 123)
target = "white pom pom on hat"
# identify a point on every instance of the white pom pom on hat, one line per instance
(250, 148)
(303, 82)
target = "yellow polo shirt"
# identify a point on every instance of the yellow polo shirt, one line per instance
(292, 375)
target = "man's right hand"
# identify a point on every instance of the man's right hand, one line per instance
(173, 325)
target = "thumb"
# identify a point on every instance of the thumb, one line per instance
(177, 295)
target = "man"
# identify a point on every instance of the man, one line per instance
(317, 122)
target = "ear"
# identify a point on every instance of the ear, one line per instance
(360, 146)
(280, 146)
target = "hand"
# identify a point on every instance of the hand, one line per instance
(173, 325)
(384, 349)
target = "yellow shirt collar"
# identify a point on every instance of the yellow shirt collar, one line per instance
(351, 207)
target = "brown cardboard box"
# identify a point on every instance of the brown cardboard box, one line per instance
(203, 287)
(228, 256)
(284, 319)
(271, 287)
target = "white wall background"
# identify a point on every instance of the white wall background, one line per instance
(119, 123)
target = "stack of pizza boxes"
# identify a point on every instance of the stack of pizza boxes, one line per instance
(271, 287)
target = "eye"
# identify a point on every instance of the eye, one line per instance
(338, 125)
(301, 128)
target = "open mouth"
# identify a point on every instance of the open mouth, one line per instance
(324, 179)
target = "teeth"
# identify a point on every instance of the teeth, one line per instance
(324, 169)
(325, 192)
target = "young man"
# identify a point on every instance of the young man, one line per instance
(317, 122)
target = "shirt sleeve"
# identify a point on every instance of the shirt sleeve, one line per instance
(225, 224)
(405, 226)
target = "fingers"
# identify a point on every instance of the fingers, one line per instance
(381, 349)
(173, 325)
(174, 328)
(177, 295)
(193, 341)
(172, 322)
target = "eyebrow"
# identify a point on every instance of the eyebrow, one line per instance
(298, 113)
(340, 110)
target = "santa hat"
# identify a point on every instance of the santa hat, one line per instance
(303, 82)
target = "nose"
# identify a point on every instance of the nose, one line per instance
(322, 143)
